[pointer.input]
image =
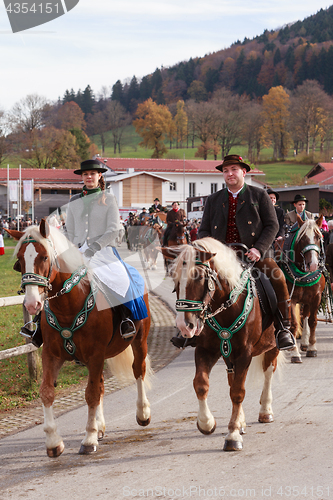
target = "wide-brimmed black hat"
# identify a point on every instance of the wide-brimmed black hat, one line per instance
(156, 199)
(270, 191)
(91, 165)
(300, 197)
(233, 160)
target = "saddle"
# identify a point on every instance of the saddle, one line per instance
(266, 296)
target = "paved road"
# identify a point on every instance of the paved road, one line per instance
(170, 459)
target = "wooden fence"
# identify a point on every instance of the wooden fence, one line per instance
(28, 348)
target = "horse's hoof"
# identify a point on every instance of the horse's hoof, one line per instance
(100, 435)
(87, 450)
(311, 354)
(143, 423)
(296, 359)
(265, 418)
(55, 452)
(232, 446)
(207, 432)
(303, 347)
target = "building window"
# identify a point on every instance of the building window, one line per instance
(173, 186)
(191, 189)
(213, 187)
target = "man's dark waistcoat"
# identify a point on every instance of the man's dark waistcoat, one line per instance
(255, 218)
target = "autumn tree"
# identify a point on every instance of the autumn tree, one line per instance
(204, 122)
(152, 124)
(311, 109)
(276, 116)
(70, 116)
(118, 119)
(28, 113)
(52, 147)
(228, 116)
(252, 121)
(181, 121)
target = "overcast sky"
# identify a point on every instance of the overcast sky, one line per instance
(101, 41)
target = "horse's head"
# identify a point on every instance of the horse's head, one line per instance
(203, 275)
(37, 255)
(34, 263)
(308, 244)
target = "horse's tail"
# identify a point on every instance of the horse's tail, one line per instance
(121, 366)
(255, 376)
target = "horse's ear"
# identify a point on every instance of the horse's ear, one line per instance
(44, 228)
(17, 266)
(17, 235)
(171, 252)
(205, 256)
(300, 221)
(319, 221)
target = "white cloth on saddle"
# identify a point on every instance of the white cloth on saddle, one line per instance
(109, 270)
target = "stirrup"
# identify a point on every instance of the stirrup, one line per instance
(289, 340)
(127, 335)
(25, 332)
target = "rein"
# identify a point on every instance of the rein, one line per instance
(33, 278)
(245, 283)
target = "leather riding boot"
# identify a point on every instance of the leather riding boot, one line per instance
(181, 342)
(35, 336)
(284, 337)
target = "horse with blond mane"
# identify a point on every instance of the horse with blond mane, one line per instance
(218, 303)
(77, 323)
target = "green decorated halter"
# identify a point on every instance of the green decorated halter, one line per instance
(33, 278)
(79, 320)
(225, 334)
(292, 273)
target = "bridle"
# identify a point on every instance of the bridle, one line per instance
(211, 278)
(44, 281)
(244, 284)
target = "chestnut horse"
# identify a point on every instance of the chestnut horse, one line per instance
(218, 303)
(302, 261)
(77, 323)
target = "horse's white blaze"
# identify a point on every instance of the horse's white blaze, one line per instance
(32, 300)
(52, 437)
(142, 404)
(206, 421)
(313, 264)
(266, 395)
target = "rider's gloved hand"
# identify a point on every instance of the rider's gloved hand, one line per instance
(90, 252)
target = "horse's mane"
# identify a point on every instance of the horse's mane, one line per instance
(226, 263)
(57, 245)
(309, 226)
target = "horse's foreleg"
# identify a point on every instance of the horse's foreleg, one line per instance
(295, 355)
(266, 414)
(94, 399)
(236, 426)
(54, 443)
(100, 420)
(311, 351)
(305, 335)
(204, 362)
(142, 404)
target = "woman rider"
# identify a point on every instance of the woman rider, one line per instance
(93, 224)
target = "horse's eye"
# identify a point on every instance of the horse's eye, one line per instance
(45, 258)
